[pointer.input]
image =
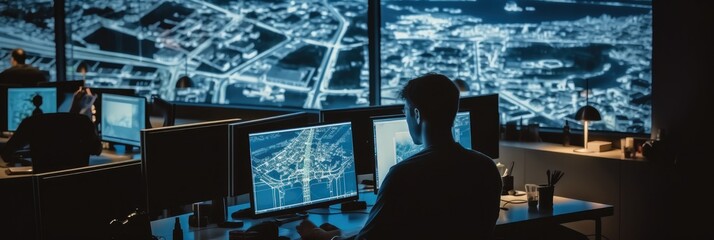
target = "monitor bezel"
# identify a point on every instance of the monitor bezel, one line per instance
(116, 140)
(300, 208)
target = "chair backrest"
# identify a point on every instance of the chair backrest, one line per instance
(61, 141)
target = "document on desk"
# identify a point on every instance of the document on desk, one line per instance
(18, 170)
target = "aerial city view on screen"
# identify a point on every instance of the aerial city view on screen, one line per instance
(301, 166)
(310, 54)
(537, 55)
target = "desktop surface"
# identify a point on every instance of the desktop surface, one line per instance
(107, 156)
(517, 216)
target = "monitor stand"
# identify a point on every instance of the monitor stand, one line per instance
(290, 217)
(218, 214)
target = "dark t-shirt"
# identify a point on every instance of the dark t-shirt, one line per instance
(24, 75)
(442, 192)
(56, 140)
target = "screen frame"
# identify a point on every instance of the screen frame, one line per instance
(112, 139)
(297, 209)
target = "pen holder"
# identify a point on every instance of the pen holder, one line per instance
(507, 182)
(545, 197)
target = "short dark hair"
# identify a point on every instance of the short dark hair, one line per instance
(461, 84)
(435, 95)
(18, 54)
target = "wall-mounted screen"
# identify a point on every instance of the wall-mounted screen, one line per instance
(306, 54)
(29, 24)
(537, 55)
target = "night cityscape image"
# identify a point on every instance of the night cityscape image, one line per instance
(303, 54)
(537, 55)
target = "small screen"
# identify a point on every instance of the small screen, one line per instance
(393, 143)
(123, 117)
(25, 102)
(302, 167)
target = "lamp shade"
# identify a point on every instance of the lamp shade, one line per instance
(185, 82)
(587, 113)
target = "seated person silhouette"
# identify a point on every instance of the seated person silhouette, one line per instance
(56, 140)
(423, 196)
(20, 73)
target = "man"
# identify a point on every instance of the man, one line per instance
(57, 140)
(20, 73)
(443, 192)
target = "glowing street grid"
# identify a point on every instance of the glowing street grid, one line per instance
(310, 54)
(299, 167)
(535, 54)
(393, 143)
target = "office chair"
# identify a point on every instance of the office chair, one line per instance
(58, 141)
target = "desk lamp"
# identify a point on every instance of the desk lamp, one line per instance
(586, 114)
(185, 80)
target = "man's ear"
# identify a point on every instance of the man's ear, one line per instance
(417, 115)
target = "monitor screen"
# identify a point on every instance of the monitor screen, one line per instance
(123, 117)
(301, 168)
(23, 102)
(239, 152)
(186, 164)
(362, 130)
(393, 143)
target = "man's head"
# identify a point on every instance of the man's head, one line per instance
(18, 57)
(431, 98)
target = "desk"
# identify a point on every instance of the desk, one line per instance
(518, 216)
(107, 156)
(109, 174)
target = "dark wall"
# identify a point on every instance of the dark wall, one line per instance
(682, 98)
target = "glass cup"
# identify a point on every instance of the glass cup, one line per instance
(532, 194)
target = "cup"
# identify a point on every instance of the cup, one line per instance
(545, 197)
(532, 195)
(507, 184)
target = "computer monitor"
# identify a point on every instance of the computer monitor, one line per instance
(302, 168)
(23, 102)
(362, 130)
(393, 142)
(185, 164)
(239, 151)
(485, 123)
(122, 119)
(98, 102)
(65, 92)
